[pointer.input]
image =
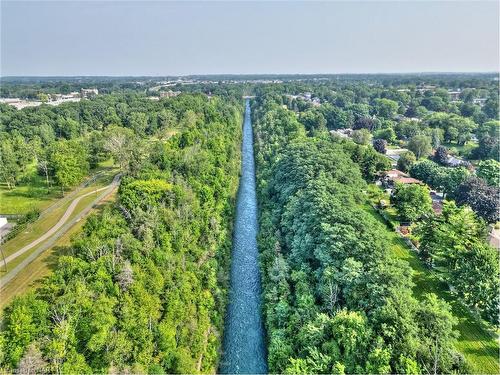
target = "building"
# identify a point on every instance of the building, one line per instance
(343, 133)
(88, 93)
(456, 162)
(169, 94)
(390, 178)
(454, 95)
(479, 101)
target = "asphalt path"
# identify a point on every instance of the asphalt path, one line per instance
(57, 231)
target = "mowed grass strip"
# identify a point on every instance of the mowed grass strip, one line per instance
(31, 276)
(478, 341)
(41, 226)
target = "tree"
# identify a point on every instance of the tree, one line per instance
(9, 169)
(313, 121)
(406, 160)
(32, 361)
(483, 199)
(476, 278)
(380, 145)
(364, 122)
(489, 170)
(69, 162)
(119, 141)
(441, 155)
(44, 98)
(436, 323)
(138, 122)
(388, 134)
(386, 108)
(420, 145)
(361, 136)
(412, 201)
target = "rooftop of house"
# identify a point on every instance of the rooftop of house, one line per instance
(393, 173)
(406, 180)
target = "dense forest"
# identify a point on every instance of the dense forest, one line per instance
(146, 285)
(336, 300)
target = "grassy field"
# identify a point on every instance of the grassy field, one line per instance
(461, 150)
(32, 192)
(31, 276)
(28, 195)
(478, 341)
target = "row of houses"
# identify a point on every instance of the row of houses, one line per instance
(388, 181)
(307, 97)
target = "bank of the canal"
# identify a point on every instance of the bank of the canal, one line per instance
(244, 345)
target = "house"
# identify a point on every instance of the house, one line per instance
(343, 133)
(455, 162)
(5, 227)
(10, 100)
(454, 95)
(390, 178)
(87, 93)
(479, 101)
(169, 94)
(494, 237)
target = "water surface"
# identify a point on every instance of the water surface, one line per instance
(243, 346)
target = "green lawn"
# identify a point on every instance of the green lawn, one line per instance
(478, 340)
(32, 193)
(461, 150)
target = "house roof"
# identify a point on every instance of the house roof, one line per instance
(407, 180)
(395, 173)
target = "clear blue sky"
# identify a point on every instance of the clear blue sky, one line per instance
(173, 38)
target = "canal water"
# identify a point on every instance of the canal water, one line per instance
(243, 345)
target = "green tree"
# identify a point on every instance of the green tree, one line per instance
(385, 107)
(406, 160)
(412, 201)
(388, 134)
(420, 145)
(437, 336)
(9, 169)
(489, 170)
(69, 162)
(362, 136)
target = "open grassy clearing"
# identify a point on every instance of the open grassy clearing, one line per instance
(478, 341)
(31, 193)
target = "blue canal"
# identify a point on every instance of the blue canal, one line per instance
(243, 345)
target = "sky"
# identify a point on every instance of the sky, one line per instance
(40, 38)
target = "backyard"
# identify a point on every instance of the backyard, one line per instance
(478, 341)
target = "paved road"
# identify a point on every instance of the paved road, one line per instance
(54, 229)
(62, 226)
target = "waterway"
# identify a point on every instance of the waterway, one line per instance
(243, 344)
